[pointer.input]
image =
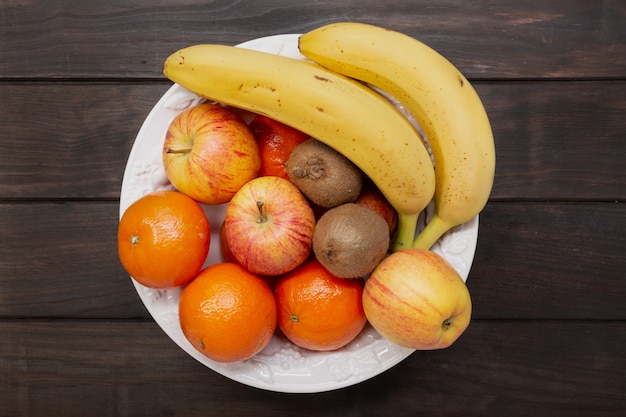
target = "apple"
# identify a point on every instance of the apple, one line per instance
(269, 226)
(373, 199)
(209, 153)
(416, 299)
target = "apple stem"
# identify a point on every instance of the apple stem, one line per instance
(170, 150)
(262, 215)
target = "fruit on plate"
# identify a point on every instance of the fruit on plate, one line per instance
(227, 313)
(343, 113)
(276, 141)
(412, 296)
(318, 311)
(209, 153)
(437, 94)
(324, 175)
(350, 240)
(416, 299)
(163, 239)
(269, 226)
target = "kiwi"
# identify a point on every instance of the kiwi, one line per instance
(350, 240)
(324, 175)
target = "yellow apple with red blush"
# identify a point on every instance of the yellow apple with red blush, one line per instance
(416, 299)
(209, 153)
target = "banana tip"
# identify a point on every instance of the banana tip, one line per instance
(173, 60)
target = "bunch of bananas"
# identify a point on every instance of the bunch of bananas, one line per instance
(330, 100)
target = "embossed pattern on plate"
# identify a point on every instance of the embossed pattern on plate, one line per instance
(281, 366)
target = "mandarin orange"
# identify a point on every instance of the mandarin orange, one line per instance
(227, 313)
(163, 239)
(317, 310)
(276, 141)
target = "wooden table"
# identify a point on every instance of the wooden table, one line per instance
(548, 281)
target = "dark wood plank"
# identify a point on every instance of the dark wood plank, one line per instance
(68, 265)
(558, 140)
(69, 140)
(520, 368)
(508, 39)
(546, 260)
(554, 140)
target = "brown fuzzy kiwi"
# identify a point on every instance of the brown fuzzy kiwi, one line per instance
(324, 175)
(350, 240)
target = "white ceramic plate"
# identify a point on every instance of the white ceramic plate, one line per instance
(281, 366)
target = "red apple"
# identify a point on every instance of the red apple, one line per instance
(269, 226)
(416, 299)
(373, 199)
(209, 153)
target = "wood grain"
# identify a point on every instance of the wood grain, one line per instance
(558, 140)
(506, 39)
(500, 368)
(68, 264)
(69, 140)
(550, 260)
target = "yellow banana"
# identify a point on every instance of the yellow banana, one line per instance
(341, 112)
(437, 94)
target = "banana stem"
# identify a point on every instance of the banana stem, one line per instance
(406, 231)
(431, 233)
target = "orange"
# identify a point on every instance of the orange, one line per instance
(227, 313)
(276, 141)
(317, 310)
(163, 239)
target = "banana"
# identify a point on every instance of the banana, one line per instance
(343, 113)
(437, 94)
